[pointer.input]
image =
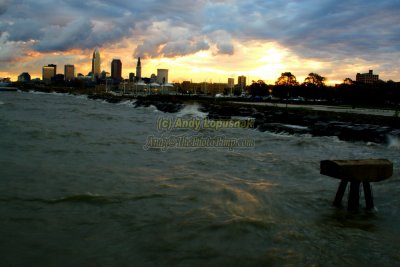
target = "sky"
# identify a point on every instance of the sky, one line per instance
(202, 40)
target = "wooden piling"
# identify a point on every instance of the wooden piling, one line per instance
(340, 193)
(356, 172)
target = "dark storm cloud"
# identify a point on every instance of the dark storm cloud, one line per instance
(317, 29)
(350, 28)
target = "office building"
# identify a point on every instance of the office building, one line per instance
(367, 78)
(69, 72)
(116, 69)
(96, 64)
(49, 72)
(162, 76)
(242, 82)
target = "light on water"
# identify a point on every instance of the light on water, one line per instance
(78, 189)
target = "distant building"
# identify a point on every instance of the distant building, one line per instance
(153, 78)
(242, 82)
(138, 70)
(231, 82)
(367, 78)
(96, 64)
(69, 72)
(162, 76)
(58, 78)
(116, 69)
(49, 72)
(131, 77)
(104, 75)
(5, 80)
(24, 77)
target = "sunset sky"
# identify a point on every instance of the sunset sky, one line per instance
(204, 40)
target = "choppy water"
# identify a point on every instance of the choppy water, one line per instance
(78, 189)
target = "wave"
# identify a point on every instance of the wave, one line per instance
(293, 126)
(192, 111)
(86, 198)
(81, 96)
(2, 103)
(393, 141)
(47, 93)
(129, 103)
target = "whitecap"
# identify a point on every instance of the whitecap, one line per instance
(192, 111)
(129, 103)
(393, 141)
(295, 126)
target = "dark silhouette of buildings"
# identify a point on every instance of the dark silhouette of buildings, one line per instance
(24, 77)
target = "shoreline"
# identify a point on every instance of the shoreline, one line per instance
(290, 120)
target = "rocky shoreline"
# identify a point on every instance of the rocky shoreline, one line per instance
(295, 121)
(345, 126)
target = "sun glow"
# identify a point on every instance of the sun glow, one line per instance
(257, 60)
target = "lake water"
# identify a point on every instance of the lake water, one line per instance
(80, 186)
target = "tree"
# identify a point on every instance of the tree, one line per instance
(237, 91)
(348, 81)
(287, 79)
(258, 88)
(284, 85)
(312, 86)
(315, 79)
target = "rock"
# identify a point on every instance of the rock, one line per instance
(168, 107)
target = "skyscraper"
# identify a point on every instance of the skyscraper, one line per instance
(49, 72)
(116, 69)
(162, 76)
(69, 72)
(96, 64)
(138, 70)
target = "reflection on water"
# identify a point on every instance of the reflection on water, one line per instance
(77, 189)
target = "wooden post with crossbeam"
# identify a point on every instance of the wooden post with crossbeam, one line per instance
(356, 172)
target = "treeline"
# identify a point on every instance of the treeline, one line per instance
(314, 88)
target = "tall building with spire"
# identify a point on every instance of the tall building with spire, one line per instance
(138, 70)
(96, 64)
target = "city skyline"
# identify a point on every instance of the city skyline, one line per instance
(205, 40)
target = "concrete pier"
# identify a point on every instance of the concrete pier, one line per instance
(356, 172)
